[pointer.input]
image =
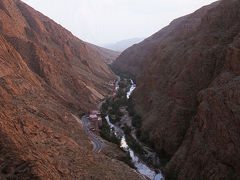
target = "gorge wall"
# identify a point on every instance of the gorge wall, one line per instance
(109, 56)
(46, 74)
(188, 91)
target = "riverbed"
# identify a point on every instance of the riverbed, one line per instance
(140, 165)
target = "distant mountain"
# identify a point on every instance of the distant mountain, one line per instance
(123, 45)
(109, 56)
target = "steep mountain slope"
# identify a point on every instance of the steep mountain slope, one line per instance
(134, 59)
(70, 67)
(123, 45)
(109, 56)
(188, 89)
(46, 74)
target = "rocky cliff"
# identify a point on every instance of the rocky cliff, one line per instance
(188, 89)
(46, 74)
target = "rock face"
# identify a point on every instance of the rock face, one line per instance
(46, 74)
(188, 90)
(66, 64)
(109, 56)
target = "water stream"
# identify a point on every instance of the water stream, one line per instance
(140, 166)
(133, 86)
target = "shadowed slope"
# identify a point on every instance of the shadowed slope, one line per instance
(188, 91)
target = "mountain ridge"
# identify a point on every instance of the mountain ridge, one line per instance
(187, 90)
(122, 45)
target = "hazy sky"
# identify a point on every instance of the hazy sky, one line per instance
(104, 21)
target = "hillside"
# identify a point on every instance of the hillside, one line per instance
(46, 75)
(123, 45)
(188, 85)
(109, 56)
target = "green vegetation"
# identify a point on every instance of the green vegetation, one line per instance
(137, 123)
(128, 160)
(144, 137)
(104, 107)
(122, 85)
(171, 176)
(165, 158)
(81, 114)
(111, 107)
(137, 148)
(106, 133)
(115, 110)
(130, 107)
(132, 143)
(126, 75)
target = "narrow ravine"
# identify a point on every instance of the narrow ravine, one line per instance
(119, 133)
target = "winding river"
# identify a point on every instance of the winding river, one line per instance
(140, 166)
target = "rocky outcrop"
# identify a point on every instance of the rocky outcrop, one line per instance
(46, 74)
(188, 91)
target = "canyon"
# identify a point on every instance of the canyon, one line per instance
(187, 94)
(47, 76)
(188, 89)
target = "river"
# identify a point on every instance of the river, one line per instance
(140, 166)
(133, 86)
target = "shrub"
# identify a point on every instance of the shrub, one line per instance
(137, 121)
(164, 157)
(128, 160)
(105, 133)
(132, 143)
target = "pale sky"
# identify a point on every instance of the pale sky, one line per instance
(108, 21)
